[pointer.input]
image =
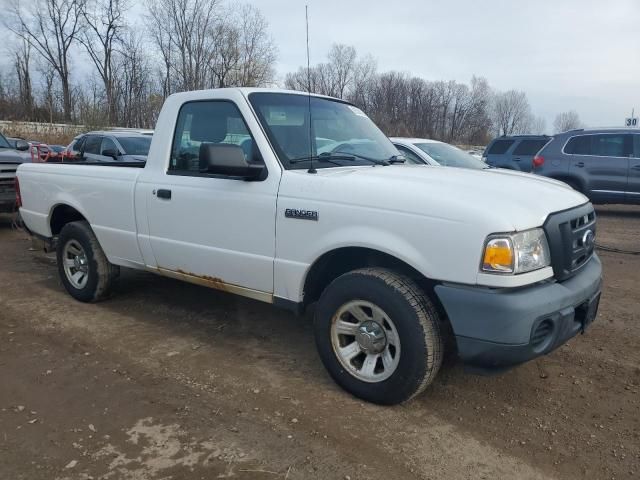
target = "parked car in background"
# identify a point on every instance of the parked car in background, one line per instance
(13, 141)
(433, 152)
(603, 164)
(121, 145)
(11, 155)
(514, 152)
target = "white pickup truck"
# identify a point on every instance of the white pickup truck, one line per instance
(296, 200)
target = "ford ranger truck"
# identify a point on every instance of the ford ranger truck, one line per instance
(300, 200)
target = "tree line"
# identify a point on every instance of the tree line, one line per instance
(197, 44)
(182, 45)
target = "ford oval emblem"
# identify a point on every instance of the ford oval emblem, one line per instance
(588, 239)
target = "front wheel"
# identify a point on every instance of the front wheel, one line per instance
(378, 335)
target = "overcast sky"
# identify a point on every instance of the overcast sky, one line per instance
(565, 54)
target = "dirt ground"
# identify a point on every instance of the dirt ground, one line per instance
(174, 381)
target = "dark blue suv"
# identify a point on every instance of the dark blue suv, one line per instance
(514, 152)
(604, 164)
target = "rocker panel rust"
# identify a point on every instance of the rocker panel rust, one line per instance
(217, 283)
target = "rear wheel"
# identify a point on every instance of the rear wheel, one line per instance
(378, 335)
(83, 267)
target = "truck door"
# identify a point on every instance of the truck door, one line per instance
(633, 185)
(217, 228)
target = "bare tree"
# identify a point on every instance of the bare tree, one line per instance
(511, 112)
(538, 126)
(258, 51)
(181, 30)
(21, 61)
(105, 22)
(337, 77)
(49, 94)
(51, 27)
(139, 101)
(566, 121)
(226, 54)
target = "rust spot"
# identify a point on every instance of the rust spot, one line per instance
(213, 282)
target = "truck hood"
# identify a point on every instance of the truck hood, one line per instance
(506, 200)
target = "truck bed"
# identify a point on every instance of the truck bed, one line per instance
(104, 196)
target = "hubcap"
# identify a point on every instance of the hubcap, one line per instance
(76, 264)
(371, 338)
(365, 341)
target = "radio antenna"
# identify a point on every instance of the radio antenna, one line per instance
(311, 169)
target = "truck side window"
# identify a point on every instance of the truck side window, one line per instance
(208, 121)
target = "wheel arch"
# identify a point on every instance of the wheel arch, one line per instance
(61, 214)
(333, 263)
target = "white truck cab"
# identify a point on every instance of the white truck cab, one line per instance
(297, 200)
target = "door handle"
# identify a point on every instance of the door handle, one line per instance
(516, 159)
(164, 193)
(579, 164)
(636, 167)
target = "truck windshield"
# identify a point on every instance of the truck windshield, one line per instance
(337, 129)
(450, 156)
(3, 142)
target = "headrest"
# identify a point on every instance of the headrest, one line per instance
(208, 129)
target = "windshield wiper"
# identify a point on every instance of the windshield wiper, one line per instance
(330, 157)
(397, 159)
(323, 157)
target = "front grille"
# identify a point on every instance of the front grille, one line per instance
(569, 239)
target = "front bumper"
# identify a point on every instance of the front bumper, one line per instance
(498, 328)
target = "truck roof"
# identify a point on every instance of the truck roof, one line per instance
(199, 94)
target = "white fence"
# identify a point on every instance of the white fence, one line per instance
(40, 128)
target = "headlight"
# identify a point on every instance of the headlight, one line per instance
(516, 253)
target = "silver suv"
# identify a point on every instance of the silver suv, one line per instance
(112, 146)
(604, 164)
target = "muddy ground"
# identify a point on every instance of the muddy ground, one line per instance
(174, 381)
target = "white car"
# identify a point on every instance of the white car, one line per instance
(433, 152)
(400, 261)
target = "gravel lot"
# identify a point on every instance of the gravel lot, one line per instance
(169, 380)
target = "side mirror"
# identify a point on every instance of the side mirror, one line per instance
(228, 160)
(22, 146)
(110, 152)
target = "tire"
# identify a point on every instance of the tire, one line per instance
(406, 313)
(99, 274)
